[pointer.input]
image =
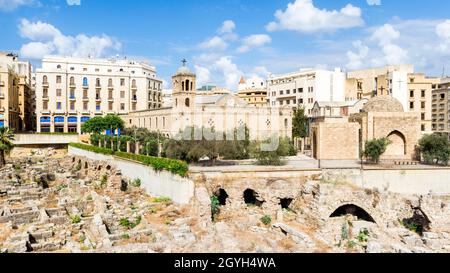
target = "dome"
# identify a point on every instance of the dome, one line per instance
(383, 104)
(184, 70)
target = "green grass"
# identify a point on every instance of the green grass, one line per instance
(162, 200)
(266, 220)
(125, 222)
(75, 219)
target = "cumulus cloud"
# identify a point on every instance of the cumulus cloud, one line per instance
(215, 42)
(303, 16)
(9, 5)
(229, 71)
(374, 2)
(227, 27)
(254, 41)
(356, 60)
(203, 75)
(47, 39)
(74, 2)
(443, 32)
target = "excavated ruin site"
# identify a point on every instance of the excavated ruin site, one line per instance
(57, 203)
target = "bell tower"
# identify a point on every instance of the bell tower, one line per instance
(184, 87)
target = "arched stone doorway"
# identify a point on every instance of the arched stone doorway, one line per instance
(397, 146)
(353, 210)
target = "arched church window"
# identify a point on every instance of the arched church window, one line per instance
(187, 102)
(182, 86)
(187, 85)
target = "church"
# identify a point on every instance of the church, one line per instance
(221, 112)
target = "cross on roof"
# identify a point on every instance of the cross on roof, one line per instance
(184, 62)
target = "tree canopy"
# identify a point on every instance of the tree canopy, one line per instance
(99, 124)
(375, 148)
(6, 144)
(299, 123)
(435, 149)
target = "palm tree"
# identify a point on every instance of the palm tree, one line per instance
(6, 145)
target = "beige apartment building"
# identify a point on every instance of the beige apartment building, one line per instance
(441, 109)
(16, 93)
(420, 90)
(70, 91)
(253, 91)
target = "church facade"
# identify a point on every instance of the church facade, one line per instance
(221, 112)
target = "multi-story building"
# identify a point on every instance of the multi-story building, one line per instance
(389, 80)
(440, 108)
(70, 91)
(253, 91)
(16, 98)
(305, 87)
(420, 90)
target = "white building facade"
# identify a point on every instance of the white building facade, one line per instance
(305, 87)
(70, 91)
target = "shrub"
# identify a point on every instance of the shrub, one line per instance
(136, 183)
(266, 220)
(363, 235)
(75, 219)
(375, 148)
(92, 148)
(435, 149)
(162, 200)
(215, 207)
(174, 166)
(125, 222)
(104, 180)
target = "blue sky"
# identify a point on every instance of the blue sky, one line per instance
(223, 40)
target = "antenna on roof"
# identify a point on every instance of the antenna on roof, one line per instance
(443, 71)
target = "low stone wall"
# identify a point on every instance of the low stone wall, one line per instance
(417, 181)
(162, 183)
(42, 139)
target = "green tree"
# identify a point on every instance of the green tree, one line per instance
(272, 158)
(375, 148)
(435, 149)
(113, 122)
(95, 125)
(299, 123)
(6, 144)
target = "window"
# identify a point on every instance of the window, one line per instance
(422, 128)
(300, 90)
(72, 81)
(72, 68)
(58, 66)
(97, 107)
(44, 79)
(58, 105)
(58, 79)
(300, 101)
(85, 81)
(423, 116)
(58, 92)
(72, 105)
(110, 82)
(411, 105)
(288, 92)
(442, 96)
(45, 93)
(122, 94)
(122, 106)
(72, 94)
(110, 106)
(97, 82)
(45, 105)
(133, 83)
(281, 92)
(85, 106)
(281, 102)
(84, 69)
(423, 93)
(97, 70)
(122, 82)
(133, 107)
(85, 94)
(422, 105)
(411, 93)
(109, 70)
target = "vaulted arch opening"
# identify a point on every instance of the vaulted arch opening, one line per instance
(397, 146)
(251, 197)
(222, 195)
(354, 210)
(418, 222)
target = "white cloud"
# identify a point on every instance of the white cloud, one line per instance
(356, 60)
(203, 75)
(443, 32)
(229, 71)
(227, 27)
(303, 16)
(374, 2)
(215, 42)
(9, 5)
(254, 41)
(47, 39)
(74, 2)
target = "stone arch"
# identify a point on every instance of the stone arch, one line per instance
(222, 195)
(251, 197)
(285, 203)
(353, 210)
(397, 146)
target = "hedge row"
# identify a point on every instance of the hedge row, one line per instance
(91, 148)
(174, 166)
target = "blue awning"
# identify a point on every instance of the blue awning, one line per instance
(45, 119)
(59, 119)
(72, 119)
(2, 124)
(84, 119)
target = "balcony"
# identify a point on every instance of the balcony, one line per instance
(97, 86)
(72, 85)
(110, 87)
(45, 84)
(133, 87)
(2, 95)
(85, 86)
(98, 98)
(85, 112)
(134, 98)
(72, 97)
(111, 99)
(2, 109)
(85, 98)
(45, 97)
(2, 83)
